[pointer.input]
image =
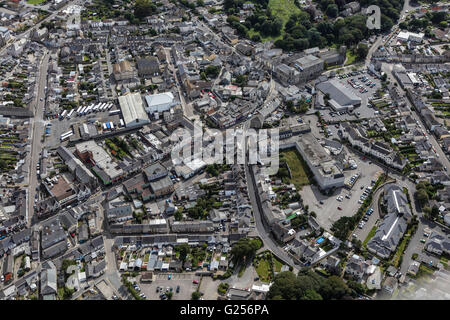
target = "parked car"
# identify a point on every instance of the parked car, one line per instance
(195, 281)
(169, 276)
(178, 289)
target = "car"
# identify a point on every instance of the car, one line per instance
(366, 218)
(162, 295)
(170, 289)
(195, 281)
(426, 234)
(157, 289)
(178, 289)
(2, 278)
(169, 276)
(422, 240)
(339, 208)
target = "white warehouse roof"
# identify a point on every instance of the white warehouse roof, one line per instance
(132, 109)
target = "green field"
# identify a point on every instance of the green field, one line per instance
(350, 57)
(263, 270)
(277, 264)
(282, 9)
(298, 171)
(252, 32)
(35, 1)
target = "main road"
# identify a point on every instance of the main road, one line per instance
(37, 131)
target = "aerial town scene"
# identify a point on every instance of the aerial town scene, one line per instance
(224, 150)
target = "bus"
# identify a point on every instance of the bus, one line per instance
(104, 106)
(63, 114)
(114, 112)
(111, 125)
(107, 125)
(110, 106)
(82, 111)
(104, 126)
(79, 109)
(122, 124)
(66, 135)
(70, 113)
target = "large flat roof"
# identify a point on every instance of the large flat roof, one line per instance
(159, 99)
(132, 109)
(339, 93)
(101, 158)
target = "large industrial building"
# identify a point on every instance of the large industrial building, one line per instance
(341, 98)
(133, 110)
(160, 102)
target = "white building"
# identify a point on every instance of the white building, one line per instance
(410, 36)
(160, 102)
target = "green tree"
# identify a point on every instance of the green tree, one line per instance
(332, 10)
(196, 295)
(245, 249)
(361, 51)
(212, 71)
(434, 212)
(143, 8)
(3, 165)
(421, 196)
(184, 250)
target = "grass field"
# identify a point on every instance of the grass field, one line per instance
(299, 175)
(351, 58)
(277, 264)
(252, 32)
(35, 1)
(282, 9)
(263, 270)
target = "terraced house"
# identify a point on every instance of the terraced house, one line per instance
(394, 225)
(358, 137)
